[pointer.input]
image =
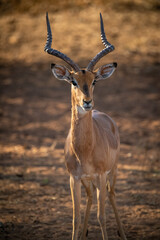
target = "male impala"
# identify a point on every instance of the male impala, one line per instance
(92, 146)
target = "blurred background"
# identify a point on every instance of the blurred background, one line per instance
(35, 201)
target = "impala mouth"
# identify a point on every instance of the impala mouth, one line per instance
(87, 107)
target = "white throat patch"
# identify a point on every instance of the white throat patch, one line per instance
(81, 110)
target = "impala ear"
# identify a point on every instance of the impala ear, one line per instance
(61, 72)
(105, 71)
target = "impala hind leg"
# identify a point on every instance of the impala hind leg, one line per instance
(112, 199)
(101, 197)
(89, 189)
(75, 186)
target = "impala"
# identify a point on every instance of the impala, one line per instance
(92, 146)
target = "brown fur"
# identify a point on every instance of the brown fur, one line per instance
(91, 150)
(93, 137)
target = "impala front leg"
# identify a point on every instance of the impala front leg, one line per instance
(89, 189)
(75, 186)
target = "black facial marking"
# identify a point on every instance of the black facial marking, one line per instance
(83, 71)
(85, 89)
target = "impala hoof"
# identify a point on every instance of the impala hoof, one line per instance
(87, 233)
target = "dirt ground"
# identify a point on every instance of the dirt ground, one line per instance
(35, 201)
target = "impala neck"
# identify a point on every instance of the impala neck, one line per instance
(81, 129)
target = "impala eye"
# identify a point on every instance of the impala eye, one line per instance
(74, 83)
(94, 82)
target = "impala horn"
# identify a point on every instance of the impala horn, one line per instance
(108, 48)
(57, 53)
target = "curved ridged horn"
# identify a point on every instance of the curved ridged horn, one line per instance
(54, 52)
(108, 48)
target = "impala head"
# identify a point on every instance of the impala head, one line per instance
(82, 81)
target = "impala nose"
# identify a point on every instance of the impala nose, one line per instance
(87, 105)
(87, 102)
